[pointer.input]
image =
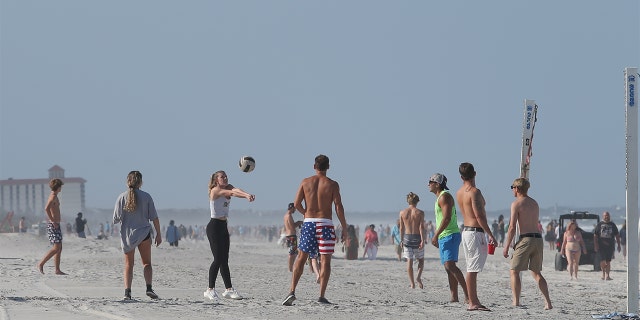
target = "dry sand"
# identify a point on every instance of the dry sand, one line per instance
(362, 289)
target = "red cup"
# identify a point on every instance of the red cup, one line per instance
(492, 247)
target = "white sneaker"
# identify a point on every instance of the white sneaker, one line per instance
(212, 295)
(231, 294)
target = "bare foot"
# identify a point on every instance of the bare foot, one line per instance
(419, 281)
(548, 307)
(609, 278)
(40, 268)
(412, 286)
(60, 273)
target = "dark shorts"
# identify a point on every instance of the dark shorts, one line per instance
(292, 244)
(54, 233)
(606, 253)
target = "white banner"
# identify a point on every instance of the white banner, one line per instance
(528, 124)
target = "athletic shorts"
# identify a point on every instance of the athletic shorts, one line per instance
(449, 247)
(528, 254)
(317, 236)
(292, 244)
(54, 233)
(475, 248)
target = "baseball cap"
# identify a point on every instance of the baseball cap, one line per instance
(440, 179)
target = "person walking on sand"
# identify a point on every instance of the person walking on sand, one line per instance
(318, 234)
(396, 240)
(220, 193)
(605, 236)
(370, 243)
(573, 247)
(290, 227)
(447, 237)
(133, 210)
(54, 232)
(475, 231)
(411, 233)
(529, 249)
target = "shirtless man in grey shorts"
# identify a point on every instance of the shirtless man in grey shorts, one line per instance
(412, 235)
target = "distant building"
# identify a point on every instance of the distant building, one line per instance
(29, 196)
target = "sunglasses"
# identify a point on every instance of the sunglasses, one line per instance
(512, 187)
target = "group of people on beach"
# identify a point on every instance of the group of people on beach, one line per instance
(476, 236)
(316, 199)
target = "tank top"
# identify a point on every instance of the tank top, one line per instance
(453, 224)
(219, 207)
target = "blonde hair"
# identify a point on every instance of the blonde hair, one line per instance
(413, 198)
(213, 182)
(134, 181)
(55, 184)
(522, 184)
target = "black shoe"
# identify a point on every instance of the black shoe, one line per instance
(323, 300)
(288, 301)
(152, 294)
(127, 294)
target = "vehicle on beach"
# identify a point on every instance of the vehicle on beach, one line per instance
(586, 221)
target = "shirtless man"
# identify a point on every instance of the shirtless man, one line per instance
(528, 251)
(475, 231)
(411, 233)
(318, 234)
(53, 227)
(290, 227)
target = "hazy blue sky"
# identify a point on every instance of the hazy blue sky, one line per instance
(391, 91)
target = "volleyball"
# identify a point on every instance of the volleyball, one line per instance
(247, 164)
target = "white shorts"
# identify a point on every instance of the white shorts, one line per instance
(475, 249)
(413, 253)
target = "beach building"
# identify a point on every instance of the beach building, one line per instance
(27, 197)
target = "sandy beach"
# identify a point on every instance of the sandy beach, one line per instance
(358, 289)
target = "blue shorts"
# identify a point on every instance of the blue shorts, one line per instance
(449, 247)
(317, 236)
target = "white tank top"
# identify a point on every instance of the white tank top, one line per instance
(219, 207)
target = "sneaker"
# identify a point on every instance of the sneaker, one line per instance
(127, 294)
(323, 300)
(152, 294)
(288, 301)
(212, 295)
(231, 294)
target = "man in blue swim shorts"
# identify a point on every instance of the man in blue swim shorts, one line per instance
(447, 237)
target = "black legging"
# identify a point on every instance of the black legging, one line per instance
(218, 236)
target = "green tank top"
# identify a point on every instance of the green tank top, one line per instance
(453, 224)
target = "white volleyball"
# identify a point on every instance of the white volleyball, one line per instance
(247, 163)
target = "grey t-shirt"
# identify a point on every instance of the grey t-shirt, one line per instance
(135, 225)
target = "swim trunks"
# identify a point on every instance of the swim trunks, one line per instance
(449, 247)
(292, 244)
(317, 236)
(475, 249)
(54, 233)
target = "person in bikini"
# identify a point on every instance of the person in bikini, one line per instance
(572, 247)
(290, 227)
(53, 227)
(411, 233)
(318, 234)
